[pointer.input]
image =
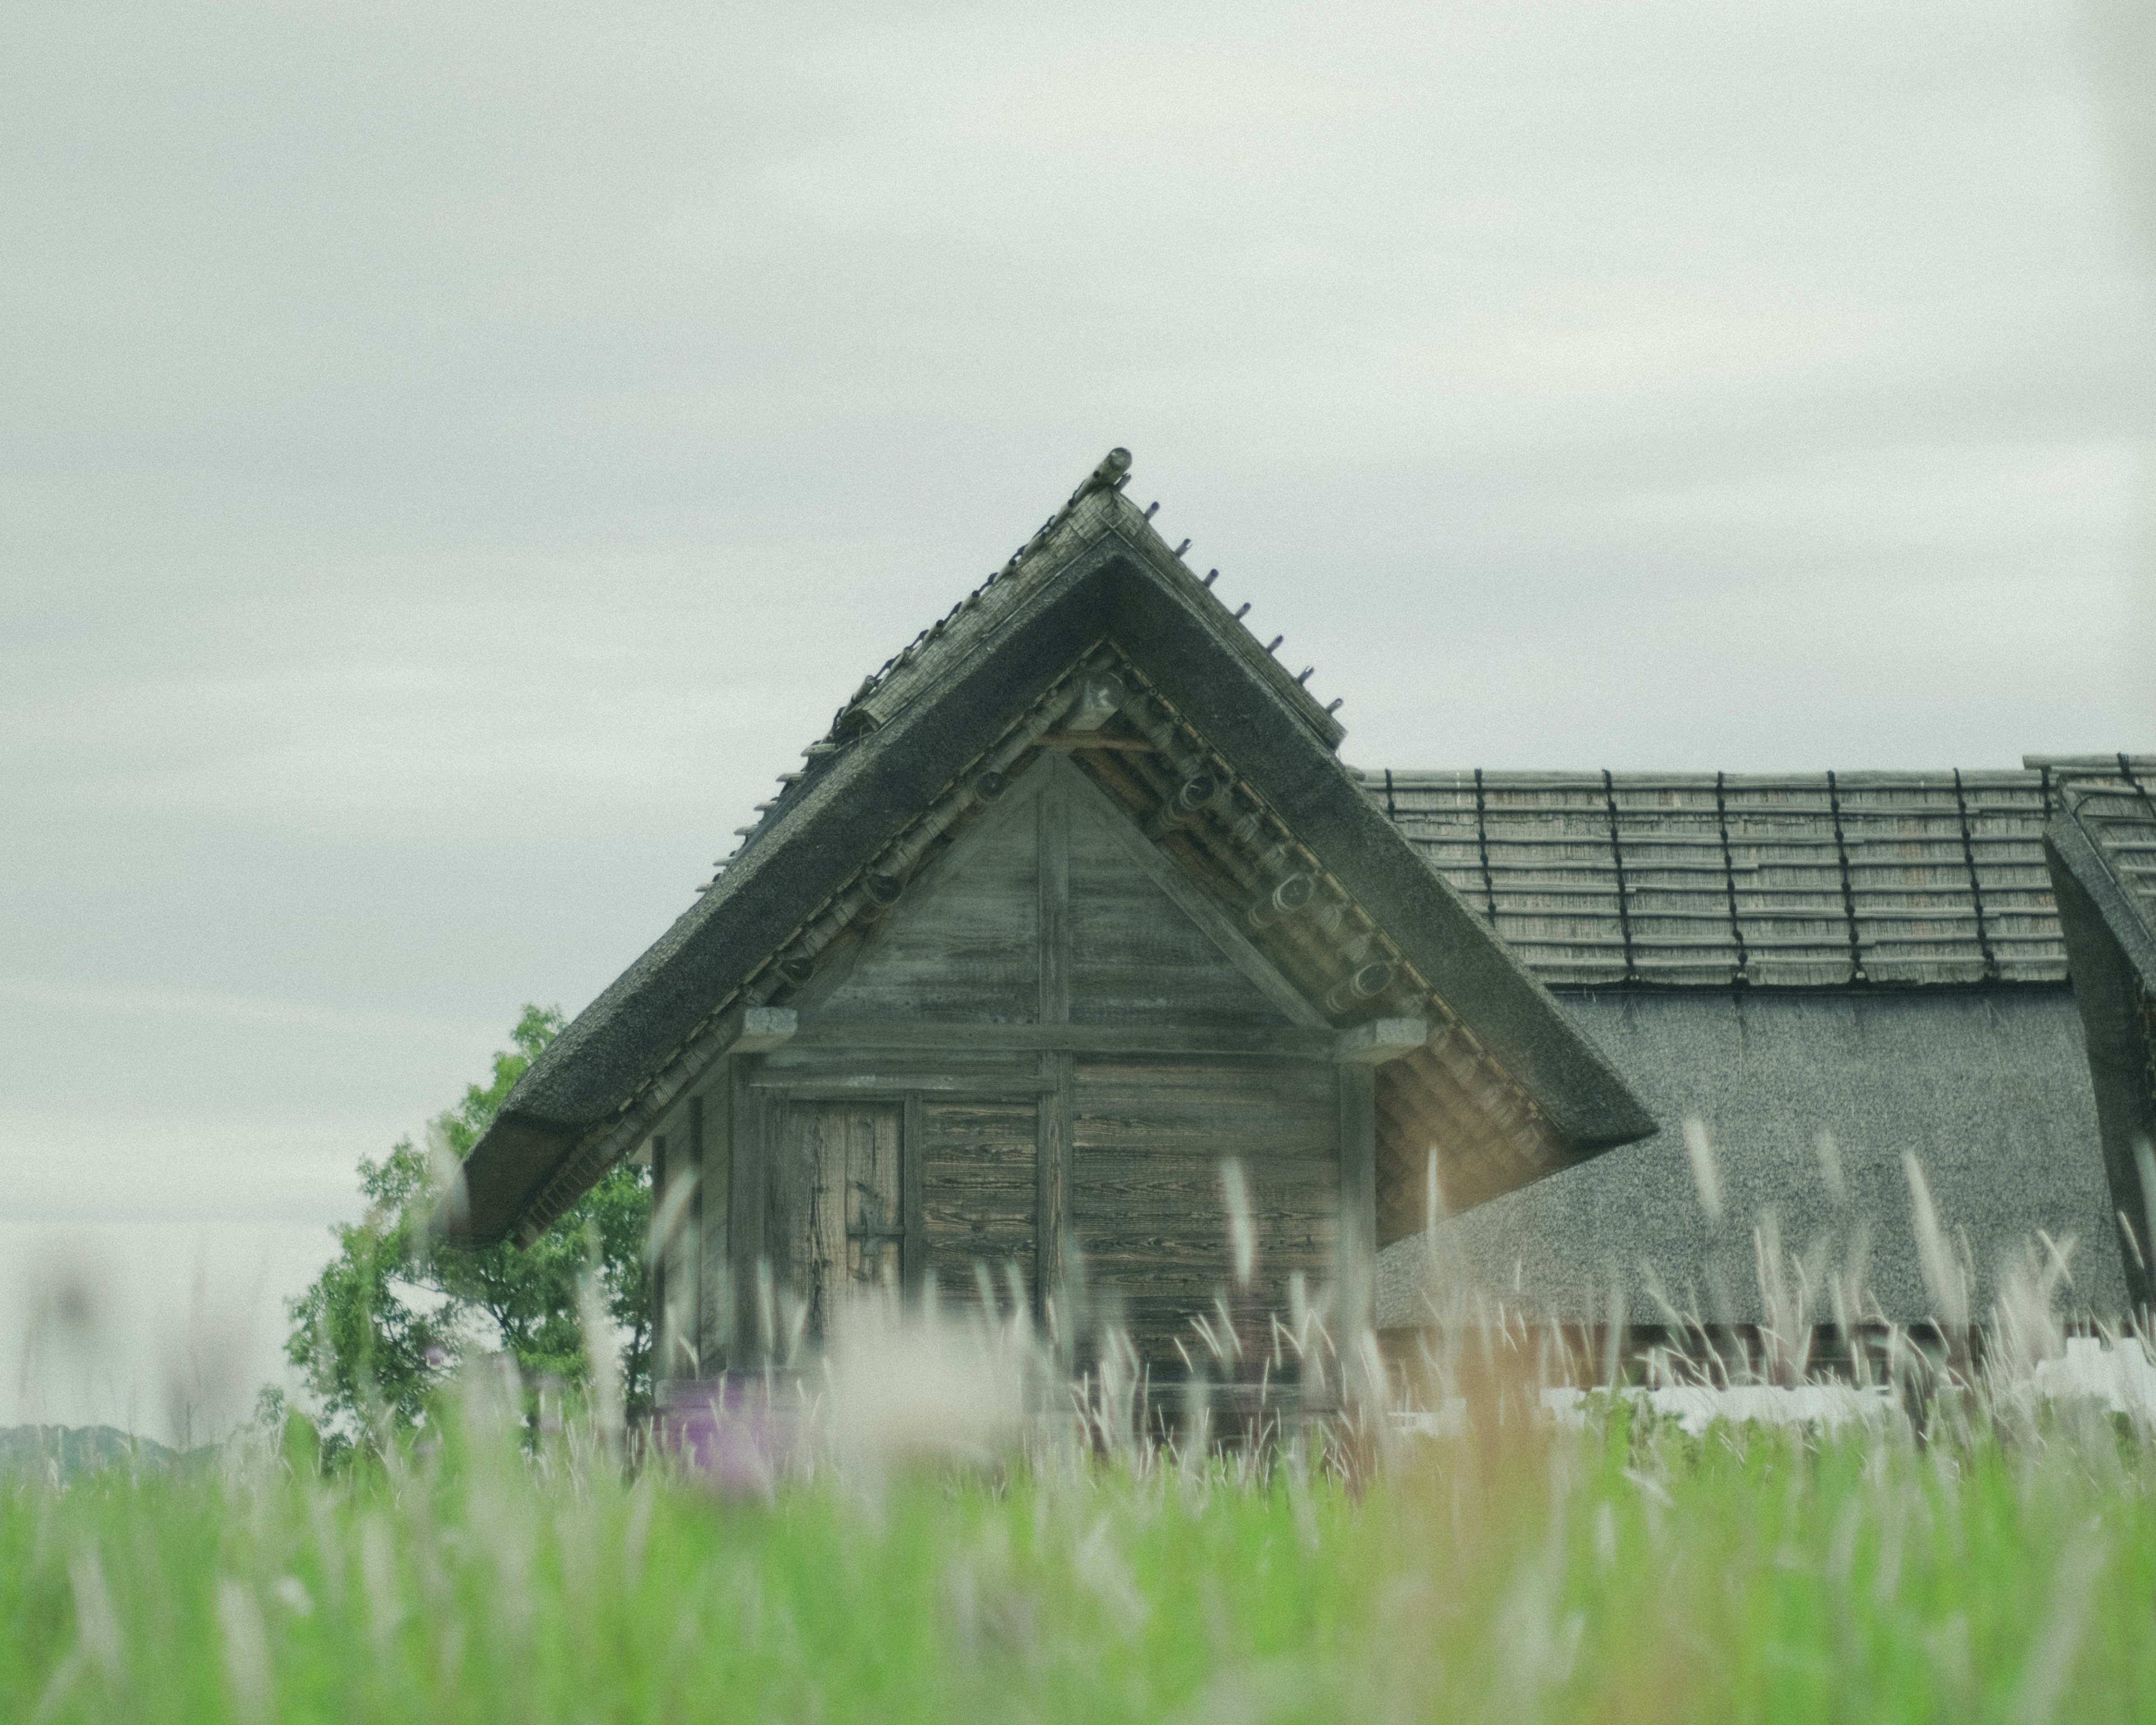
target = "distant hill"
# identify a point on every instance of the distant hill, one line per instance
(78, 1449)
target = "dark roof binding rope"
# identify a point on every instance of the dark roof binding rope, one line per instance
(1617, 857)
(1392, 808)
(1729, 875)
(1975, 881)
(1482, 847)
(1848, 885)
(2044, 782)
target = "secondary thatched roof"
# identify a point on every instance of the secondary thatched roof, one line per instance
(1784, 880)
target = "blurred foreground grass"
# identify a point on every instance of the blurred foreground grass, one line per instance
(1620, 1570)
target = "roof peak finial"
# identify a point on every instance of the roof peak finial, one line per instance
(1114, 465)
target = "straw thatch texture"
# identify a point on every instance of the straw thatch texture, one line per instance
(1988, 1089)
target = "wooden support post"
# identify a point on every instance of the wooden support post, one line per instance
(1052, 1136)
(1359, 1198)
(1053, 809)
(913, 1253)
(662, 1331)
(693, 1234)
(1052, 1178)
(745, 1143)
(715, 1250)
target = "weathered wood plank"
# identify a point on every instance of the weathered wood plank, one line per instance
(694, 1306)
(953, 1185)
(1052, 1119)
(956, 1206)
(1052, 838)
(716, 1279)
(828, 1087)
(975, 1124)
(980, 1191)
(1164, 1135)
(662, 1325)
(1160, 1259)
(1358, 1196)
(913, 1159)
(749, 1152)
(901, 1047)
(1231, 1084)
(988, 1038)
(964, 941)
(1148, 1202)
(1109, 1174)
(992, 1164)
(1052, 1211)
(1146, 943)
(1134, 1205)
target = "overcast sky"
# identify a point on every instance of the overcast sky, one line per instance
(453, 457)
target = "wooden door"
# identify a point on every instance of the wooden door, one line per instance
(841, 1203)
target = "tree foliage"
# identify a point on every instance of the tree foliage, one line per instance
(396, 1311)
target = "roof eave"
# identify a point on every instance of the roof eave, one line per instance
(2069, 848)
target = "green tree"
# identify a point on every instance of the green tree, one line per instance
(396, 1311)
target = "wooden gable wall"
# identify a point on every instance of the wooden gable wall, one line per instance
(1053, 1037)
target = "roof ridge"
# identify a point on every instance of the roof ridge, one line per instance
(1096, 508)
(2097, 766)
(1594, 777)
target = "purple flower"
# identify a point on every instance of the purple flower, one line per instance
(736, 1435)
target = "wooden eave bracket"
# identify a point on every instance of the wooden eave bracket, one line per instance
(1379, 1040)
(762, 1028)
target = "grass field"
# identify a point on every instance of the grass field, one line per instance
(2003, 1569)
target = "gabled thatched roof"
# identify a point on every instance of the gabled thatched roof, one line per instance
(891, 774)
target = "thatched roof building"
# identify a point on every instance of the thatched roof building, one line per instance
(1075, 903)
